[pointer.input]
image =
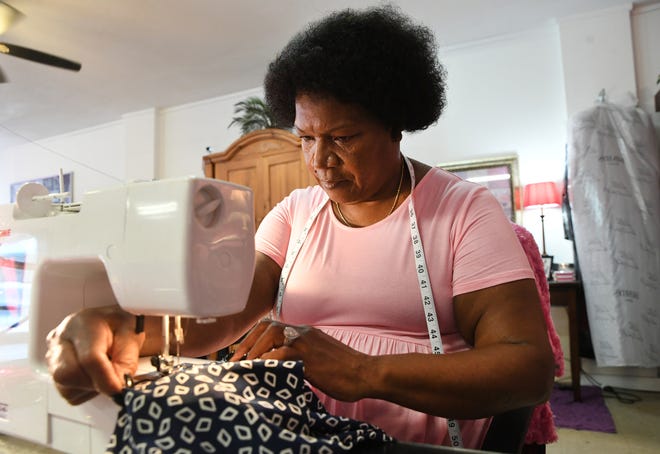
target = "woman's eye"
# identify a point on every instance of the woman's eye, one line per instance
(342, 139)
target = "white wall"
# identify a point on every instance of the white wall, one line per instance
(186, 132)
(506, 96)
(141, 144)
(598, 55)
(646, 36)
(96, 156)
(154, 143)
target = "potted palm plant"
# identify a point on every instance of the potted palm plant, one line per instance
(252, 114)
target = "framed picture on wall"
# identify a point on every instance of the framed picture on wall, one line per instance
(499, 175)
(51, 183)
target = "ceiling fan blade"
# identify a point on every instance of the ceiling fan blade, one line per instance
(39, 57)
(3, 79)
(8, 15)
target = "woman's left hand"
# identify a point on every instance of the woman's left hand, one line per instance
(332, 367)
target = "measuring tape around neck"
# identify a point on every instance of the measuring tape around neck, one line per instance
(428, 302)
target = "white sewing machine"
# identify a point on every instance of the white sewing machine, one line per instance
(173, 247)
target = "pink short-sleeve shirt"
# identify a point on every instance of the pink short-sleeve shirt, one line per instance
(360, 285)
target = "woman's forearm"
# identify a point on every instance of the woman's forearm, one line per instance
(470, 384)
(204, 338)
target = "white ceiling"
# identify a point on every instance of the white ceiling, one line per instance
(138, 54)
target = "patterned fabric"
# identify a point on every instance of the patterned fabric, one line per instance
(260, 406)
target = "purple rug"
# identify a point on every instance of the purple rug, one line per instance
(590, 414)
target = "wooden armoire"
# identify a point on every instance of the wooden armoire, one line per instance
(269, 161)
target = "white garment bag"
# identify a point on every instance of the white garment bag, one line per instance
(614, 190)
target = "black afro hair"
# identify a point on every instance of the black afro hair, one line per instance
(376, 58)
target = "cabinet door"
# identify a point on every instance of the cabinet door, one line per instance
(282, 173)
(242, 172)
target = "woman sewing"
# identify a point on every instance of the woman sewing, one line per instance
(397, 261)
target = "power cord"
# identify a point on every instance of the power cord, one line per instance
(625, 397)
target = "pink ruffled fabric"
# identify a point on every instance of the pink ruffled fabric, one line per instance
(402, 423)
(542, 426)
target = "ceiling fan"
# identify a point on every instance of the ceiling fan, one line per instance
(8, 16)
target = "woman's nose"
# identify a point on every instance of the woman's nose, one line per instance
(323, 155)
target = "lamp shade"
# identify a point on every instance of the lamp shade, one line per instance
(541, 194)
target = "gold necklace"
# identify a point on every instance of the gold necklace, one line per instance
(396, 199)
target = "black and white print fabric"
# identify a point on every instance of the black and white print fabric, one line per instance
(259, 406)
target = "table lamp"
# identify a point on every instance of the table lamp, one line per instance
(543, 195)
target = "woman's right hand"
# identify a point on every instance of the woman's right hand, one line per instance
(90, 351)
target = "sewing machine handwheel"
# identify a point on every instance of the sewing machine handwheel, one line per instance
(33, 208)
(208, 206)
